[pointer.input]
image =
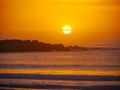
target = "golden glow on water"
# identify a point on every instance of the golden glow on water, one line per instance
(61, 82)
(62, 72)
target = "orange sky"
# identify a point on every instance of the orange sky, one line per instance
(93, 22)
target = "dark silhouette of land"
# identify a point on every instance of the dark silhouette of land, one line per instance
(28, 46)
(15, 45)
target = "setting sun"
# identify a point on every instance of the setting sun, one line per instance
(60, 44)
(66, 29)
(86, 22)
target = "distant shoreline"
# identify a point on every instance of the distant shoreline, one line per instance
(15, 45)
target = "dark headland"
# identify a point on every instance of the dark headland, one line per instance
(15, 45)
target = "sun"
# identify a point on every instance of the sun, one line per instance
(66, 29)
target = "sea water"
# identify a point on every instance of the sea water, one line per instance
(60, 70)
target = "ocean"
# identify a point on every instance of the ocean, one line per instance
(70, 70)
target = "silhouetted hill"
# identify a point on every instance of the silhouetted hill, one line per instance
(15, 45)
(28, 46)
